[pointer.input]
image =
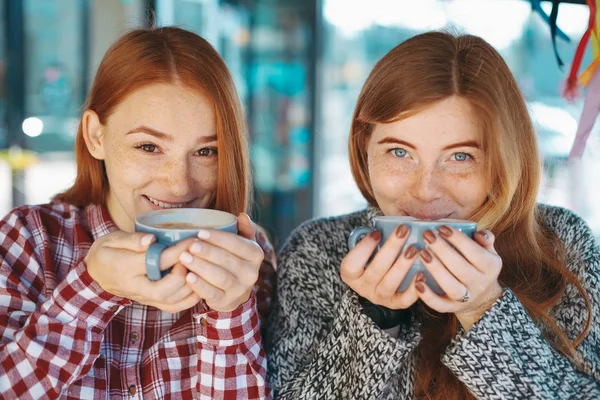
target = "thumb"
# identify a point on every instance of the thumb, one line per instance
(136, 241)
(246, 227)
(486, 240)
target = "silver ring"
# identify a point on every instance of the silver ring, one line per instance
(466, 297)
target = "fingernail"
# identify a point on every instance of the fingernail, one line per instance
(426, 256)
(411, 252)
(196, 247)
(402, 231)
(191, 277)
(186, 257)
(147, 239)
(420, 277)
(429, 236)
(203, 234)
(445, 231)
(376, 235)
(486, 235)
(420, 288)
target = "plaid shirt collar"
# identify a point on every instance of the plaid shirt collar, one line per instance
(99, 221)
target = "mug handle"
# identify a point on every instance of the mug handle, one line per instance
(153, 262)
(357, 234)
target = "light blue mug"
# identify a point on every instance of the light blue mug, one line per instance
(174, 225)
(387, 226)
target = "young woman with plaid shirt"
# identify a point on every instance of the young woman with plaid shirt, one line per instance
(162, 128)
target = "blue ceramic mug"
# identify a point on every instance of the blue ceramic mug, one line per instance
(174, 225)
(387, 225)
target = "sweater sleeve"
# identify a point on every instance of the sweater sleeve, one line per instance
(505, 355)
(319, 343)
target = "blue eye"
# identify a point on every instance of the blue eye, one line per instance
(461, 156)
(400, 153)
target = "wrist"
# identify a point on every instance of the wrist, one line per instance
(470, 317)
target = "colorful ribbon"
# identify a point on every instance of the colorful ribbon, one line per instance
(551, 20)
(589, 78)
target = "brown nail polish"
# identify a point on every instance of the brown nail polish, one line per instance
(429, 236)
(402, 231)
(376, 235)
(426, 256)
(420, 277)
(411, 252)
(445, 231)
(420, 288)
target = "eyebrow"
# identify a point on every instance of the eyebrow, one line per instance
(468, 143)
(165, 136)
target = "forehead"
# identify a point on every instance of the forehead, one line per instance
(451, 120)
(167, 106)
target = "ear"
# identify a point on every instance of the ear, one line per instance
(93, 134)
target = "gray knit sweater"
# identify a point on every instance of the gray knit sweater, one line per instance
(321, 346)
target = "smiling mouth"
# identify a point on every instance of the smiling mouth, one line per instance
(162, 204)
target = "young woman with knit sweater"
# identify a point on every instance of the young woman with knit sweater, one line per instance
(441, 130)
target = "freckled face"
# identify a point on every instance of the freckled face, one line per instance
(160, 151)
(430, 165)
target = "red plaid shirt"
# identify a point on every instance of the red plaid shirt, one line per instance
(63, 336)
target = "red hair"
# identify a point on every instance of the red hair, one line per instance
(174, 56)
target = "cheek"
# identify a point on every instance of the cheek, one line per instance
(205, 176)
(388, 180)
(470, 188)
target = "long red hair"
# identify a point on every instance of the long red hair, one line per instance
(167, 55)
(418, 73)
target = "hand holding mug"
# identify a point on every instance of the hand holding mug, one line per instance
(223, 267)
(379, 282)
(466, 269)
(117, 263)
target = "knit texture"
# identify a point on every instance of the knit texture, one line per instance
(321, 345)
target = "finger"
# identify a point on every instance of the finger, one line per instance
(242, 247)
(246, 227)
(402, 301)
(353, 264)
(204, 289)
(450, 257)
(239, 268)
(136, 241)
(434, 301)
(170, 256)
(391, 281)
(472, 251)
(486, 239)
(188, 302)
(181, 294)
(386, 256)
(453, 288)
(211, 273)
(179, 271)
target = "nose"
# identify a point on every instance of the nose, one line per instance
(176, 177)
(427, 184)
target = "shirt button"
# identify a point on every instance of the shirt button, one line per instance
(132, 390)
(203, 321)
(114, 309)
(134, 336)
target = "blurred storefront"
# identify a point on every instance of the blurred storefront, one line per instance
(298, 66)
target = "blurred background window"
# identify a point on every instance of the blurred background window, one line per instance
(298, 66)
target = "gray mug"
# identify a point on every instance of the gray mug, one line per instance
(174, 225)
(387, 225)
